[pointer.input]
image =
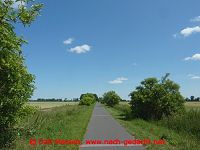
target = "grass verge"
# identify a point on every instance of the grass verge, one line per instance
(142, 129)
(66, 123)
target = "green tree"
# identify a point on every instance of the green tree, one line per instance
(91, 95)
(16, 83)
(111, 98)
(101, 100)
(192, 98)
(88, 99)
(154, 99)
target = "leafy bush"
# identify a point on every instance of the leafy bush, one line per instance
(111, 98)
(87, 99)
(16, 88)
(154, 99)
(16, 83)
(27, 110)
(125, 109)
(101, 100)
(90, 95)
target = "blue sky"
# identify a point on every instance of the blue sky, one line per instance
(78, 46)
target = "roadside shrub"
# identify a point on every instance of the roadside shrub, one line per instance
(111, 98)
(125, 109)
(27, 110)
(10, 133)
(87, 99)
(16, 83)
(101, 100)
(154, 99)
(92, 95)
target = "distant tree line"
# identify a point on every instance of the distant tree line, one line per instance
(193, 99)
(71, 100)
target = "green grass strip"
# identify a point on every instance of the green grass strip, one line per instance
(142, 129)
(66, 122)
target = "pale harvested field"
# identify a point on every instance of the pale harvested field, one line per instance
(192, 105)
(43, 105)
(124, 103)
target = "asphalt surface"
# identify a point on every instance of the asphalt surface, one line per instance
(102, 126)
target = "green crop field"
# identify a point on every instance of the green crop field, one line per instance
(43, 105)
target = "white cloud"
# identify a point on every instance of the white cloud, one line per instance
(81, 49)
(118, 80)
(195, 19)
(190, 30)
(68, 41)
(194, 77)
(194, 57)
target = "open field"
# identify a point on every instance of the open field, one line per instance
(180, 132)
(43, 105)
(67, 122)
(192, 105)
(124, 103)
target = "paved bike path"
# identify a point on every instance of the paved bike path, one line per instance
(102, 126)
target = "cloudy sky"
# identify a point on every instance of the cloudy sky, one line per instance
(78, 46)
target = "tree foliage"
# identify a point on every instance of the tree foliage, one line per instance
(91, 95)
(154, 99)
(111, 98)
(88, 99)
(16, 83)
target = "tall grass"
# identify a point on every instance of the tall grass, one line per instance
(180, 131)
(125, 108)
(66, 123)
(189, 122)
